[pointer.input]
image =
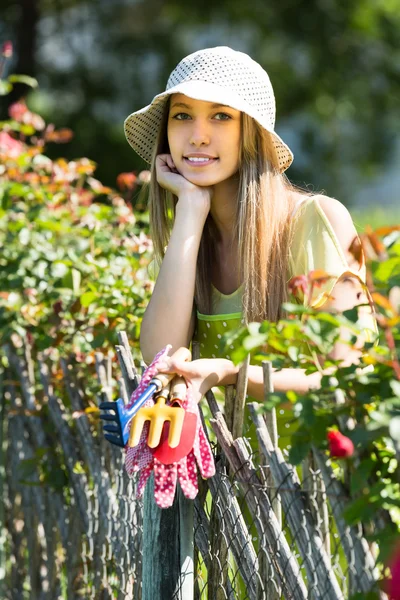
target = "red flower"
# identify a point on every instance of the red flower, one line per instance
(126, 181)
(297, 284)
(340, 446)
(7, 49)
(392, 586)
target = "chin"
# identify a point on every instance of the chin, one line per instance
(202, 183)
(202, 179)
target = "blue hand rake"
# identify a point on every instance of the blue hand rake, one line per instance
(118, 432)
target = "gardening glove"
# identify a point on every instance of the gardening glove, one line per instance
(140, 457)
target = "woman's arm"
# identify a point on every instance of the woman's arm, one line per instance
(206, 373)
(169, 317)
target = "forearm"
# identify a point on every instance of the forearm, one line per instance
(283, 381)
(167, 319)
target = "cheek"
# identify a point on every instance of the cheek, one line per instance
(173, 138)
(234, 145)
(235, 152)
(170, 139)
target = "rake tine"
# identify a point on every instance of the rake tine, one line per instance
(114, 440)
(107, 417)
(107, 406)
(112, 428)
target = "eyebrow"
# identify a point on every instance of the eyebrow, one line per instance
(183, 105)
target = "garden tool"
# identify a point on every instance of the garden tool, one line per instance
(118, 432)
(166, 451)
(142, 460)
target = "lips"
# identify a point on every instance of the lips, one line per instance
(200, 163)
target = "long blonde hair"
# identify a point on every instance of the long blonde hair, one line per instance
(263, 232)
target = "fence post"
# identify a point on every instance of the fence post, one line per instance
(167, 568)
(266, 583)
(167, 572)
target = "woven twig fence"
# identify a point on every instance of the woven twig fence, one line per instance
(255, 531)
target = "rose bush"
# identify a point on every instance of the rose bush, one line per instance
(74, 257)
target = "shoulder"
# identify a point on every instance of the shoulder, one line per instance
(339, 219)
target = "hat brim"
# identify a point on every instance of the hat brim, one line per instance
(141, 127)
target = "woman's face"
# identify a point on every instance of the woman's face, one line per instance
(204, 139)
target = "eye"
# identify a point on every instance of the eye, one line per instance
(181, 116)
(225, 116)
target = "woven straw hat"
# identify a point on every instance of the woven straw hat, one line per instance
(219, 75)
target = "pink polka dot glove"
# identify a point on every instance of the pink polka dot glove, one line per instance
(141, 459)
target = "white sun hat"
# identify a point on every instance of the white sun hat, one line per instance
(220, 75)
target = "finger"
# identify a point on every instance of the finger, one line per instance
(170, 162)
(178, 389)
(162, 158)
(164, 365)
(182, 354)
(162, 163)
(169, 364)
(180, 367)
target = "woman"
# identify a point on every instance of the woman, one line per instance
(229, 229)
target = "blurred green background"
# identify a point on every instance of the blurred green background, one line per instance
(334, 65)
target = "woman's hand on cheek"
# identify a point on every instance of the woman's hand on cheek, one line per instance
(171, 179)
(202, 374)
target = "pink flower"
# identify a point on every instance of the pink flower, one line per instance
(7, 49)
(298, 283)
(18, 110)
(9, 146)
(340, 446)
(33, 119)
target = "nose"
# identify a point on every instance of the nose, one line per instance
(199, 135)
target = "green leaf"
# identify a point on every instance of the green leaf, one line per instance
(295, 309)
(253, 328)
(394, 428)
(291, 396)
(31, 81)
(98, 341)
(5, 87)
(372, 595)
(388, 269)
(298, 452)
(87, 298)
(361, 475)
(78, 468)
(395, 385)
(360, 510)
(273, 401)
(351, 314)
(254, 341)
(72, 280)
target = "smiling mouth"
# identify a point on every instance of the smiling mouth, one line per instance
(199, 162)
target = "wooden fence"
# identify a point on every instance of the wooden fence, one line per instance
(255, 531)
